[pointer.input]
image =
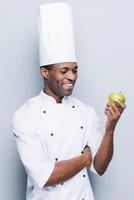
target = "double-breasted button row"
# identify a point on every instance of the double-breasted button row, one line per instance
(52, 134)
(81, 127)
(44, 111)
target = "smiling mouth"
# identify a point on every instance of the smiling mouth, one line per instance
(68, 85)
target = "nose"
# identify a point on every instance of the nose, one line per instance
(72, 76)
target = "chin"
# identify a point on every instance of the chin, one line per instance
(68, 93)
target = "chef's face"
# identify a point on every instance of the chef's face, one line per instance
(60, 79)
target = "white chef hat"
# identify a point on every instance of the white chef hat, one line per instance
(56, 35)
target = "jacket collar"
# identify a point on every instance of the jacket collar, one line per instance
(50, 99)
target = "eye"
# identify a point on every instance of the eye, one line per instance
(63, 71)
(75, 71)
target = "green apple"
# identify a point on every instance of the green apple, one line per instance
(116, 96)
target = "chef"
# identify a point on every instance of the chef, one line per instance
(57, 135)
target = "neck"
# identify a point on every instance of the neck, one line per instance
(57, 98)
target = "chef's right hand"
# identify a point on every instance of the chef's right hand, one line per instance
(87, 153)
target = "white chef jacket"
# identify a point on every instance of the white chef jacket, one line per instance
(47, 132)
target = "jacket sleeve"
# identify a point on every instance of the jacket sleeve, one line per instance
(33, 154)
(95, 136)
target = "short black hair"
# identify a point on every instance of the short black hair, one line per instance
(48, 67)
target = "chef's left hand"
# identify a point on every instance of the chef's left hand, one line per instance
(113, 112)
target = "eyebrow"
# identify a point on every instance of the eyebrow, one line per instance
(66, 67)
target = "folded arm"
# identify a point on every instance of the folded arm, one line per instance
(66, 169)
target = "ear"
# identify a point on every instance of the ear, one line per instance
(44, 72)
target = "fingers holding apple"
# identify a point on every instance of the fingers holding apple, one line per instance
(118, 107)
(114, 108)
(112, 111)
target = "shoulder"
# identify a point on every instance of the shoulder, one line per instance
(25, 116)
(28, 107)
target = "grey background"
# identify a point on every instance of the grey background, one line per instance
(105, 49)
